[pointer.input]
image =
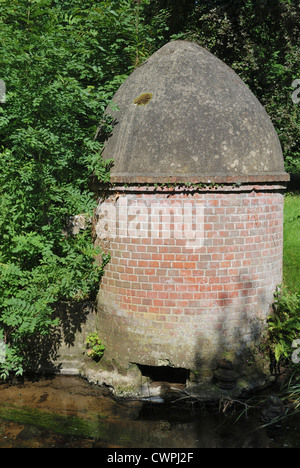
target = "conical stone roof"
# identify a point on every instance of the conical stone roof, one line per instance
(183, 116)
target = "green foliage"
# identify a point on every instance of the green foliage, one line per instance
(284, 325)
(95, 348)
(291, 242)
(61, 62)
(291, 389)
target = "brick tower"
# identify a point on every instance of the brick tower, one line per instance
(193, 216)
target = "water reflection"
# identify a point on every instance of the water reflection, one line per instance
(64, 411)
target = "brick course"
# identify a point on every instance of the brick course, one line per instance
(162, 299)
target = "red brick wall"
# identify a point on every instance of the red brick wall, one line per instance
(163, 301)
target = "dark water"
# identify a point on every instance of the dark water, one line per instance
(67, 412)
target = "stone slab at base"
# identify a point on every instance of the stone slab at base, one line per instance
(134, 385)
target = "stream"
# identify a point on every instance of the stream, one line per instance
(68, 412)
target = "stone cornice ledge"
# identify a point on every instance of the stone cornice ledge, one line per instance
(195, 179)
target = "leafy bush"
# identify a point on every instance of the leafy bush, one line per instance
(61, 62)
(291, 242)
(284, 325)
(291, 388)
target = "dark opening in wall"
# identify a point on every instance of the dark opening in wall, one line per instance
(165, 373)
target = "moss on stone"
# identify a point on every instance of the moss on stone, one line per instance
(59, 424)
(143, 99)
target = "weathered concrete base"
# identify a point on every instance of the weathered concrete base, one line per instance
(133, 384)
(63, 349)
(227, 380)
(64, 353)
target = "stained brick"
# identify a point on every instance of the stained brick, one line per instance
(169, 286)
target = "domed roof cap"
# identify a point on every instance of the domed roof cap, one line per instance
(184, 115)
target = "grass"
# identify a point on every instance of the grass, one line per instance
(291, 243)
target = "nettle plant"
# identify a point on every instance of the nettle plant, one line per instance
(61, 62)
